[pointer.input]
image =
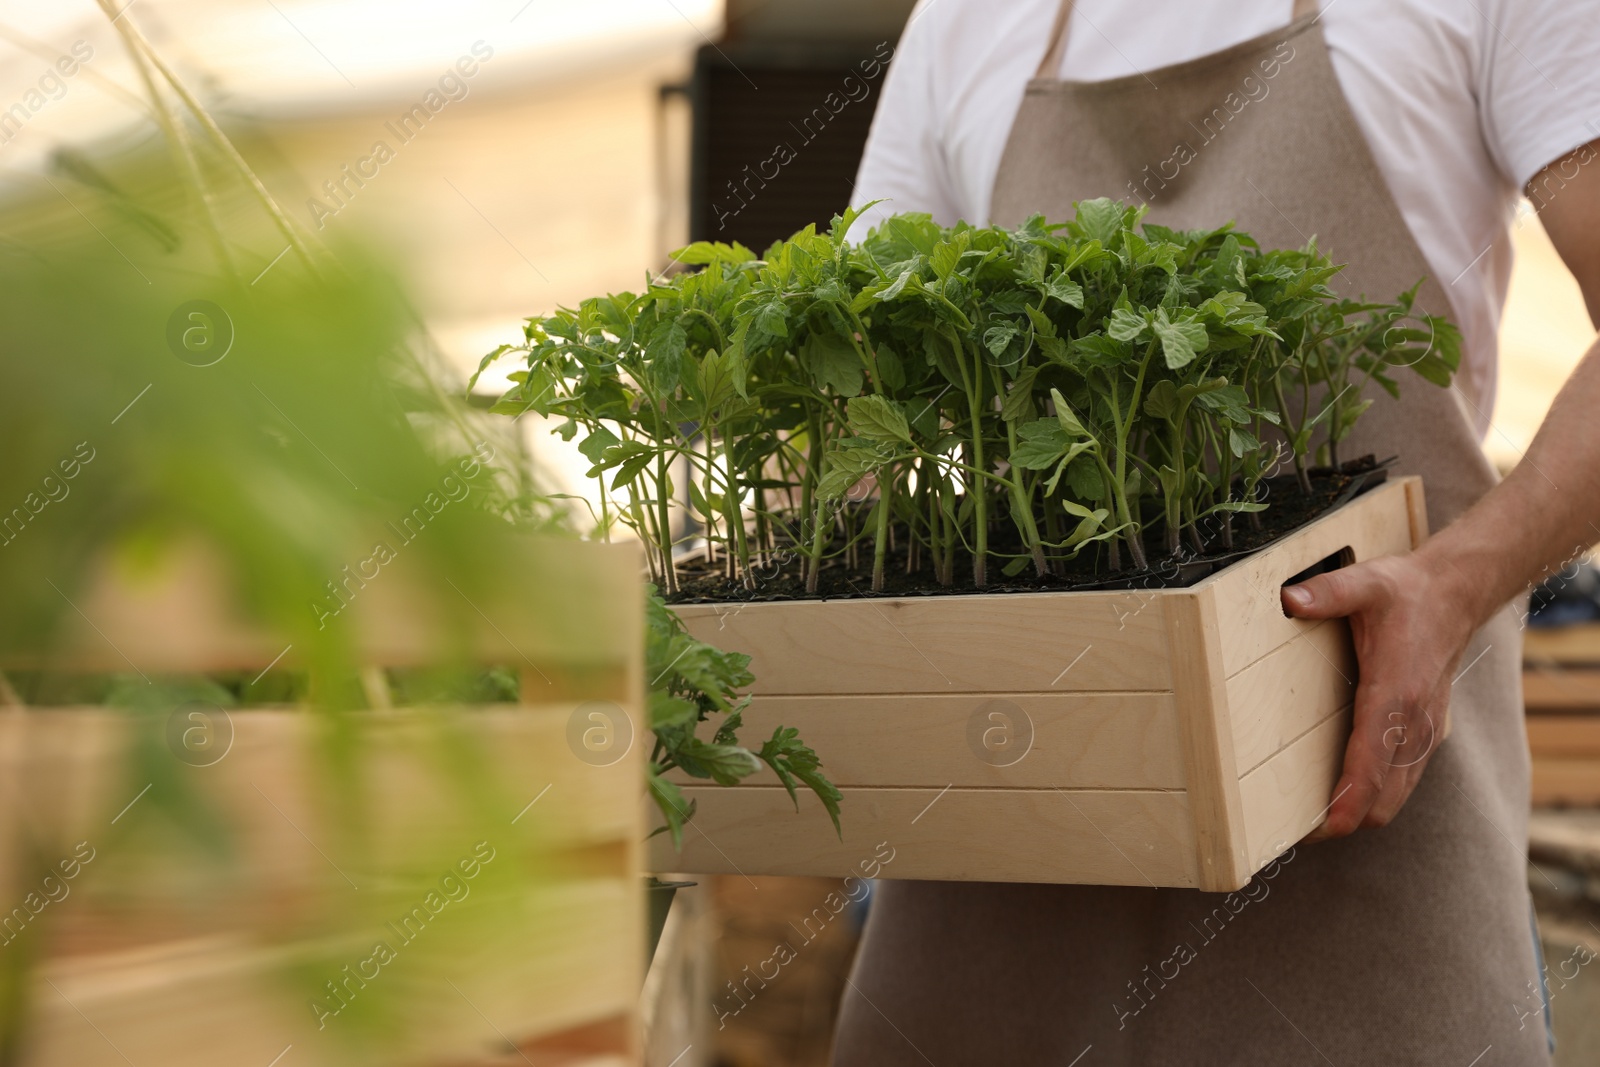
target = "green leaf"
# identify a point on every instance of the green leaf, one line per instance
(1083, 478)
(833, 363)
(702, 253)
(1064, 289)
(715, 379)
(1235, 506)
(664, 355)
(1019, 401)
(1085, 254)
(1229, 401)
(1101, 351)
(1042, 325)
(483, 364)
(632, 468)
(906, 278)
(877, 418)
(723, 764)
(890, 368)
(1089, 522)
(947, 255)
(791, 759)
(1066, 416)
(1161, 401)
(847, 462)
(925, 418)
(1016, 566)
(1241, 441)
(598, 440)
(1126, 325)
(698, 501)
(668, 711)
(842, 223)
(1041, 445)
(773, 318)
(1169, 479)
(728, 732)
(997, 338)
(674, 806)
(1180, 341)
(1100, 218)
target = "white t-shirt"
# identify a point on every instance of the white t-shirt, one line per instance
(1462, 101)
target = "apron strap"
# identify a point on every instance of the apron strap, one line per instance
(1050, 65)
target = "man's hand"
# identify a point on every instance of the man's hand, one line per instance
(1410, 629)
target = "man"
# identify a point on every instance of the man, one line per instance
(1399, 133)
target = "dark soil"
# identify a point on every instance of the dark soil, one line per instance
(1288, 509)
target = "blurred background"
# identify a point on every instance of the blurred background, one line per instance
(511, 156)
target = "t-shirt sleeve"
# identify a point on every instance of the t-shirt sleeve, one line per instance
(904, 162)
(1538, 80)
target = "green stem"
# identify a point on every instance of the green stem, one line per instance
(880, 532)
(734, 509)
(813, 505)
(1134, 533)
(644, 527)
(669, 567)
(708, 491)
(973, 386)
(1174, 499)
(1294, 432)
(1022, 499)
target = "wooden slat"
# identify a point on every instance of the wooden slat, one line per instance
(1576, 646)
(1289, 690)
(1078, 740)
(1286, 797)
(558, 958)
(1566, 782)
(1557, 689)
(560, 605)
(1211, 775)
(1417, 506)
(1565, 838)
(1027, 642)
(1089, 837)
(1249, 608)
(1564, 736)
(65, 773)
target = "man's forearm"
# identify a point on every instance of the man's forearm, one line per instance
(1545, 512)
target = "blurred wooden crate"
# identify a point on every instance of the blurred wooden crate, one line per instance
(1561, 690)
(231, 908)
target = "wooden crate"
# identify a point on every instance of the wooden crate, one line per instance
(1561, 690)
(162, 951)
(1566, 760)
(1562, 646)
(1166, 737)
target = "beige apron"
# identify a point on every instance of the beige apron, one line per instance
(1406, 945)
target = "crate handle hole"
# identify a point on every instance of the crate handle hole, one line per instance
(1331, 562)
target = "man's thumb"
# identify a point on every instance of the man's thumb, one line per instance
(1317, 598)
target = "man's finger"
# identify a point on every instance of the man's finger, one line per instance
(1329, 596)
(1420, 739)
(1391, 798)
(1366, 771)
